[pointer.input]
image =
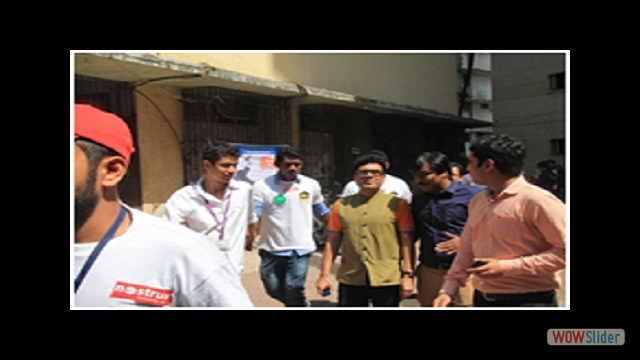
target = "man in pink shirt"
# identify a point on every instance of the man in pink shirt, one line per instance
(514, 240)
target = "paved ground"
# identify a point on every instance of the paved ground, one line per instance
(253, 284)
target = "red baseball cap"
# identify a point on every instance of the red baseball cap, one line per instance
(105, 129)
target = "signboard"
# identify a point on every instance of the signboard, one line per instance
(256, 162)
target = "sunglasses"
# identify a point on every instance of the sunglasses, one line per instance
(367, 172)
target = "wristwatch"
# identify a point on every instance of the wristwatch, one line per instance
(408, 273)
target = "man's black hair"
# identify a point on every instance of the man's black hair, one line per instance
(380, 153)
(94, 153)
(290, 152)
(438, 161)
(507, 152)
(216, 151)
(370, 159)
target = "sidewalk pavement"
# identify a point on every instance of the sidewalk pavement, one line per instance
(253, 284)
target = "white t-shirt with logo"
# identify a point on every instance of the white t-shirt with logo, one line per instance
(287, 212)
(188, 206)
(156, 263)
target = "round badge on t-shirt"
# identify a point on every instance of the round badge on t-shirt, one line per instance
(280, 200)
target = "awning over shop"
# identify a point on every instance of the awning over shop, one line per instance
(141, 69)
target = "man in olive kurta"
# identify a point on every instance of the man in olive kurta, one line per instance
(376, 231)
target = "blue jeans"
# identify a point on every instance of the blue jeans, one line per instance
(284, 277)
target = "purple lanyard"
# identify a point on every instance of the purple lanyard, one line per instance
(223, 223)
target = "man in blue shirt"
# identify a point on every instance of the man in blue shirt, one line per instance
(440, 209)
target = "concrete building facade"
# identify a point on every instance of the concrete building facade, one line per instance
(529, 103)
(334, 106)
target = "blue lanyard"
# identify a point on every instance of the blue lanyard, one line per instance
(98, 250)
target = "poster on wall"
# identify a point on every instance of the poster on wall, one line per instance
(256, 162)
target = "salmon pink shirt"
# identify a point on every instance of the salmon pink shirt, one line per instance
(524, 227)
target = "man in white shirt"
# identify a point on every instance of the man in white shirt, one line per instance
(218, 207)
(392, 185)
(286, 202)
(124, 257)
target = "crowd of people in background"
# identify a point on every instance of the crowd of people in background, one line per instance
(487, 238)
(550, 176)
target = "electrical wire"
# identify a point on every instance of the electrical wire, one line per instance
(164, 116)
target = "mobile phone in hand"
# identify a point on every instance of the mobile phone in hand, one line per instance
(478, 264)
(326, 292)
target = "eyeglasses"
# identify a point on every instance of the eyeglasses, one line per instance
(367, 172)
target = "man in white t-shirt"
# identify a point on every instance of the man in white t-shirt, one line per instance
(124, 257)
(392, 185)
(218, 207)
(286, 202)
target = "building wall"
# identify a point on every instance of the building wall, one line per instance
(161, 165)
(524, 106)
(424, 80)
(427, 81)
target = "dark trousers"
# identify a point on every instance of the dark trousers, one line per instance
(359, 296)
(540, 299)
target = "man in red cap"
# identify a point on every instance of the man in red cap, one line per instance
(124, 257)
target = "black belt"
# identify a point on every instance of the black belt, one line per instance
(516, 297)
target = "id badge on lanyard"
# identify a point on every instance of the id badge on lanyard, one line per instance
(224, 243)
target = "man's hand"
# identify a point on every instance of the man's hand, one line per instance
(250, 237)
(450, 247)
(491, 270)
(406, 287)
(443, 300)
(324, 283)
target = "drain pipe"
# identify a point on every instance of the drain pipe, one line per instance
(467, 82)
